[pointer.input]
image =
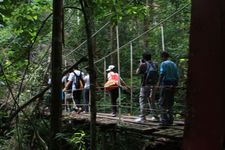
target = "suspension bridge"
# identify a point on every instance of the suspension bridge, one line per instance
(102, 63)
(128, 111)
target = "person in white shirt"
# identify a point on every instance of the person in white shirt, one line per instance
(77, 92)
(86, 92)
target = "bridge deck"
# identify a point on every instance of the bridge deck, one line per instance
(128, 123)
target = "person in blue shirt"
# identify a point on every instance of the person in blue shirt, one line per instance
(168, 81)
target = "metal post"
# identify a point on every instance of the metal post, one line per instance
(118, 63)
(105, 78)
(65, 97)
(131, 78)
(162, 35)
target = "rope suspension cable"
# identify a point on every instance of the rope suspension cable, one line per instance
(86, 40)
(130, 42)
(155, 26)
(131, 48)
(94, 33)
(158, 24)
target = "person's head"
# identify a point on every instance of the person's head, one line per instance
(110, 68)
(146, 56)
(165, 55)
(75, 67)
(86, 70)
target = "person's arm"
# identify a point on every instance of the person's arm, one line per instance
(161, 73)
(67, 86)
(122, 82)
(109, 75)
(177, 73)
(141, 68)
(70, 80)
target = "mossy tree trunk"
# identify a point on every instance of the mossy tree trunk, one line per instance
(56, 74)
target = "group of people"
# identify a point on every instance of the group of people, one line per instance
(167, 82)
(165, 78)
(74, 84)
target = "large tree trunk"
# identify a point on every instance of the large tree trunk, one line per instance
(87, 11)
(204, 128)
(56, 60)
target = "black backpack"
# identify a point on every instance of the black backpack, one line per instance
(79, 83)
(152, 75)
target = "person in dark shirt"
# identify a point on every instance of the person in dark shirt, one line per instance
(147, 90)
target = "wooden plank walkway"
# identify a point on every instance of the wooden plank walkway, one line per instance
(128, 123)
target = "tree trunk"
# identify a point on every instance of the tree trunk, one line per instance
(56, 60)
(87, 11)
(204, 127)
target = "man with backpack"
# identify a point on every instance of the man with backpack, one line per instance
(76, 79)
(168, 81)
(149, 73)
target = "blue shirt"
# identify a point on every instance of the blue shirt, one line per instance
(168, 70)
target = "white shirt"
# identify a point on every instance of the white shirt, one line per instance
(87, 81)
(72, 77)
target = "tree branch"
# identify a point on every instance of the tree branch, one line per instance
(71, 7)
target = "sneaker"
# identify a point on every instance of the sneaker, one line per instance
(113, 114)
(154, 119)
(140, 120)
(79, 110)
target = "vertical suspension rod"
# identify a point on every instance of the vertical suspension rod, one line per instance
(162, 36)
(131, 78)
(118, 63)
(105, 78)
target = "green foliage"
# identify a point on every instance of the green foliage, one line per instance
(21, 26)
(77, 140)
(26, 135)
